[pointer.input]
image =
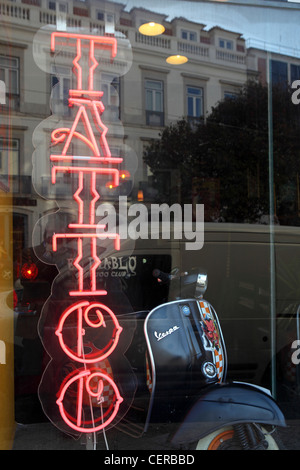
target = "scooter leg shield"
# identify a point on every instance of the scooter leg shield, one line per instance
(227, 404)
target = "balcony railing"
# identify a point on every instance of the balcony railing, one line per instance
(11, 10)
(36, 3)
(153, 41)
(47, 17)
(194, 49)
(228, 56)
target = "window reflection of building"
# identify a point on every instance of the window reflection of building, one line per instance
(10, 165)
(194, 102)
(226, 44)
(284, 69)
(189, 35)
(9, 75)
(154, 102)
(230, 95)
(61, 79)
(2, 92)
(62, 7)
(279, 72)
(295, 72)
(110, 85)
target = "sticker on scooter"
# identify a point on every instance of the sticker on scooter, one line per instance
(211, 337)
(209, 327)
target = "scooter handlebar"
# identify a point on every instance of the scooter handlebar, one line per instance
(197, 277)
(161, 276)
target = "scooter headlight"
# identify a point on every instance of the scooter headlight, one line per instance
(209, 370)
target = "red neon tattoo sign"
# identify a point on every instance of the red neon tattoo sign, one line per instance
(87, 331)
(76, 40)
(83, 380)
(81, 310)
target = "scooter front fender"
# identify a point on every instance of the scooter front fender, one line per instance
(227, 404)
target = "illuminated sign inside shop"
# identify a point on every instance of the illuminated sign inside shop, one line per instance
(86, 332)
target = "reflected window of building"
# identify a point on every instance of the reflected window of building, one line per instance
(60, 86)
(194, 102)
(110, 86)
(225, 44)
(295, 72)
(9, 165)
(230, 95)
(154, 102)
(188, 35)
(9, 74)
(100, 15)
(279, 72)
(62, 6)
(2, 92)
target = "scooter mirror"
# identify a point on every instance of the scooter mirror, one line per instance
(201, 285)
(196, 282)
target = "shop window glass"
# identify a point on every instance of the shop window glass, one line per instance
(99, 130)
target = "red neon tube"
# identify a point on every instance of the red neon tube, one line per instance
(92, 142)
(77, 67)
(96, 197)
(102, 42)
(84, 378)
(86, 158)
(93, 237)
(77, 265)
(78, 199)
(71, 169)
(114, 236)
(83, 308)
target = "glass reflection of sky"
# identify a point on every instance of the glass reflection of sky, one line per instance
(266, 24)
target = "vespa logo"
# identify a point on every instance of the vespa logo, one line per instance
(160, 336)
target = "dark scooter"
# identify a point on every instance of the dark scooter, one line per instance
(179, 358)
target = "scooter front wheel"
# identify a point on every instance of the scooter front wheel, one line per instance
(238, 437)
